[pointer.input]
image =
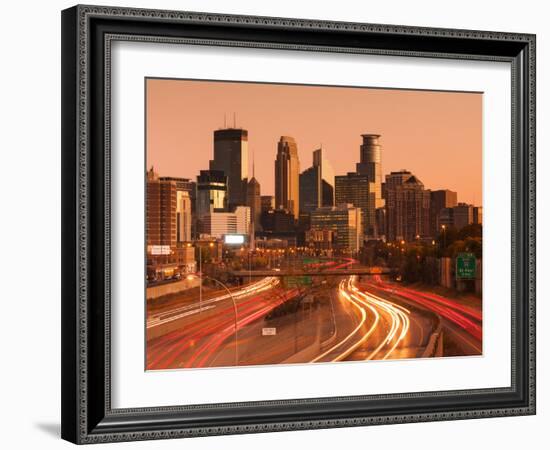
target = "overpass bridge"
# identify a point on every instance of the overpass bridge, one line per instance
(300, 272)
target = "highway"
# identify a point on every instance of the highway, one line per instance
(461, 323)
(338, 318)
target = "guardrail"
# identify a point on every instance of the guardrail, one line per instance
(434, 348)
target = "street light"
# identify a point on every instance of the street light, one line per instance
(234, 309)
(200, 271)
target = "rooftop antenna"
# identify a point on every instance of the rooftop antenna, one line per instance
(224, 120)
(253, 166)
(234, 120)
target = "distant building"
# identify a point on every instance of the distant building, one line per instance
(460, 216)
(185, 258)
(395, 179)
(278, 221)
(287, 170)
(278, 244)
(380, 215)
(463, 214)
(218, 224)
(161, 221)
(185, 185)
(370, 158)
(407, 208)
(440, 199)
(359, 190)
(327, 177)
(316, 184)
(168, 224)
(211, 192)
(370, 164)
(478, 215)
(320, 240)
(310, 190)
(231, 157)
(267, 202)
(253, 201)
(183, 216)
(445, 218)
(344, 220)
(211, 250)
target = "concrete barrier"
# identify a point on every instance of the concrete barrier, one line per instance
(310, 352)
(176, 287)
(435, 345)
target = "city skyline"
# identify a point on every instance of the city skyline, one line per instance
(173, 147)
(322, 270)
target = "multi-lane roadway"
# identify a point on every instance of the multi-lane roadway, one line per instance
(339, 318)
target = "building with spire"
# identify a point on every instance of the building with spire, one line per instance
(254, 201)
(287, 172)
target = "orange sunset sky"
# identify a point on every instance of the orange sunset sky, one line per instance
(435, 135)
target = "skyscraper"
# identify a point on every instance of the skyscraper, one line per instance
(327, 177)
(231, 157)
(370, 164)
(310, 190)
(396, 178)
(359, 190)
(211, 192)
(316, 184)
(254, 202)
(287, 171)
(370, 160)
(407, 209)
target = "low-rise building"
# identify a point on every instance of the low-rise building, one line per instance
(218, 224)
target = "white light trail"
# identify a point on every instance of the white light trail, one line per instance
(370, 305)
(255, 288)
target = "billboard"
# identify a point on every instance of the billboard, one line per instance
(234, 239)
(159, 250)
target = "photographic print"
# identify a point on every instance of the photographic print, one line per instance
(297, 224)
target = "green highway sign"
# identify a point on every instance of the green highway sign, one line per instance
(297, 281)
(311, 260)
(465, 266)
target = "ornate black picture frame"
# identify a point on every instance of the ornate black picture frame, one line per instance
(87, 34)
